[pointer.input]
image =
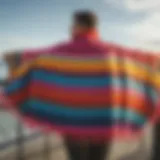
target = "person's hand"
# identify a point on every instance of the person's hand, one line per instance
(12, 58)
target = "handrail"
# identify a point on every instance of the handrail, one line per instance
(12, 142)
(3, 82)
(4, 145)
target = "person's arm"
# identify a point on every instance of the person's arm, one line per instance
(15, 58)
(34, 53)
(16, 91)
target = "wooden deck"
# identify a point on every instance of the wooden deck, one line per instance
(34, 150)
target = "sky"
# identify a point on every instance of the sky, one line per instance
(38, 23)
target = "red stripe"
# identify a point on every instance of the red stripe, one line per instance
(91, 98)
(19, 96)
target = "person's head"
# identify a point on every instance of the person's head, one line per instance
(84, 21)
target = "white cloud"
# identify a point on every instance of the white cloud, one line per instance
(148, 28)
(147, 32)
(135, 5)
(142, 5)
(18, 42)
(144, 32)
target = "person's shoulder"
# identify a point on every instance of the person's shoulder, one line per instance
(60, 46)
(126, 52)
(108, 47)
(120, 48)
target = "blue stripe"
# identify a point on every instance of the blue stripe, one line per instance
(105, 81)
(77, 116)
(73, 81)
(17, 84)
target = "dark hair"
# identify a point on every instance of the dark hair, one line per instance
(85, 18)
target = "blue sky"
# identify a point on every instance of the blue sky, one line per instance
(37, 23)
(34, 23)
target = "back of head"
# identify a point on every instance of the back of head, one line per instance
(83, 21)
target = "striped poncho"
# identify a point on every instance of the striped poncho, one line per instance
(92, 97)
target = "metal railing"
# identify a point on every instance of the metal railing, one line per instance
(20, 140)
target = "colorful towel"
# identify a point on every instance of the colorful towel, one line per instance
(87, 97)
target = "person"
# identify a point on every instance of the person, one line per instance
(156, 144)
(85, 39)
(156, 130)
(93, 86)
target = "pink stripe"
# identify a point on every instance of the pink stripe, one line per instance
(72, 48)
(33, 53)
(96, 134)
(116, 131)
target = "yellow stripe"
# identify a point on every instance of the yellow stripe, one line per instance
(93, 66)
(23, 69)
(155, 80)
(107, 65)
(82, 66)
